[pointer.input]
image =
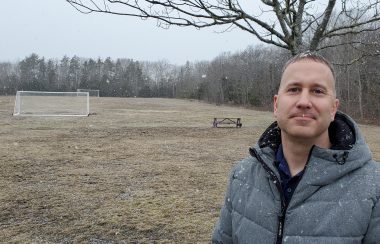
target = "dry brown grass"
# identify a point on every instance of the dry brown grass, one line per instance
(140, 170)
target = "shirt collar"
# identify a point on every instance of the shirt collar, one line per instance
(283, 166)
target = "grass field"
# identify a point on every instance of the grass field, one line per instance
(137, 171)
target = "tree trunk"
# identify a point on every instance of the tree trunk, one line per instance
(359, 92)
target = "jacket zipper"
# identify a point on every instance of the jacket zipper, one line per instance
(274, 178)
(276, 181)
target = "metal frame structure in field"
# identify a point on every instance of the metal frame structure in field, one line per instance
(40, 103)
(227, 121)
(91, 92)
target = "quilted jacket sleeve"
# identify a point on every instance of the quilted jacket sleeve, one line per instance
(223, 229)
(373, 232)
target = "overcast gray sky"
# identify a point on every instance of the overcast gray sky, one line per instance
(53, 28)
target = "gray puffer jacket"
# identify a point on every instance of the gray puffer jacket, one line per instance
(336, 201)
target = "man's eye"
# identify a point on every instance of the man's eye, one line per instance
(319, 91)
(294, 89)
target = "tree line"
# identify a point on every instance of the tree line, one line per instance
(249, 77)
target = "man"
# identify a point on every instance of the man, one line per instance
(311, 177)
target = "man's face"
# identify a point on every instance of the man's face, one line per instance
(305, 104)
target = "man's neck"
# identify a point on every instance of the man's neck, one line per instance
(296, 152)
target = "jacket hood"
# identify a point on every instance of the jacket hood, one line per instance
(349, 150)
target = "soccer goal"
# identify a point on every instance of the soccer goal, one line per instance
(92, 93)
(38, 103)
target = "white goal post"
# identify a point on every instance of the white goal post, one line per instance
(39, 103)
(92, 93)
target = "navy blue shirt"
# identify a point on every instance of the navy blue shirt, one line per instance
(288, 183)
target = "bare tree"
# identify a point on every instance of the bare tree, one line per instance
(295, 25)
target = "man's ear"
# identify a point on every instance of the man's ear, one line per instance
(275, 100)
(335, 109)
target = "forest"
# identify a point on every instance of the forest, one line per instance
(246, 78)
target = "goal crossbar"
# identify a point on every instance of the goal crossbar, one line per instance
(91, 92)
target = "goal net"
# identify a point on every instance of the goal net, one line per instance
(92, 93)
(37, 103)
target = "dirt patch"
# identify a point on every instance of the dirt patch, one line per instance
(137, 171)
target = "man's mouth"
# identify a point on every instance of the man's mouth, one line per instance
(303, 116)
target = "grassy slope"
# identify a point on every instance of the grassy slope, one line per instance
(140, 170)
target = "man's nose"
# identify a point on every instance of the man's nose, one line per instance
(304, 100)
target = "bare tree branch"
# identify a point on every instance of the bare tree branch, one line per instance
(283, 23)
(318, 34)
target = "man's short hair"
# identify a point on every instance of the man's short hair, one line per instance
(312, 56)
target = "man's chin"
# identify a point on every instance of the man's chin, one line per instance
(301, 132)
